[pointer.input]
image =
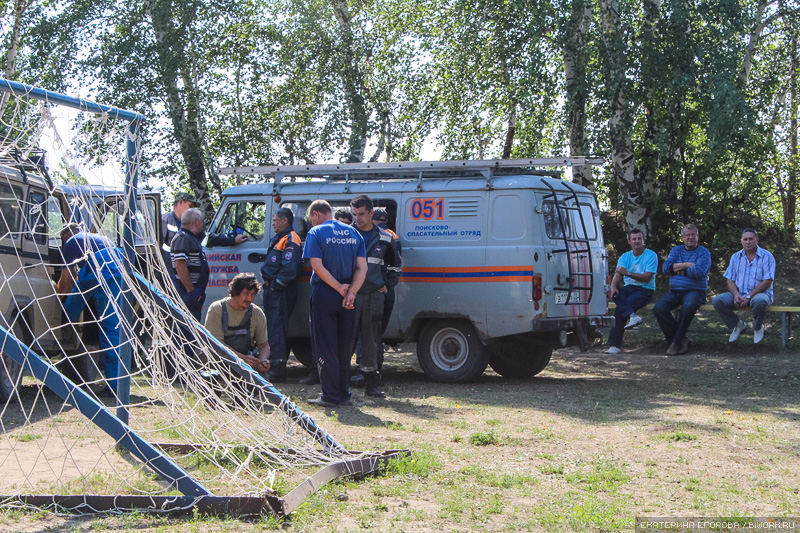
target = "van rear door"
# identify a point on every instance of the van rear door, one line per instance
(574, 279)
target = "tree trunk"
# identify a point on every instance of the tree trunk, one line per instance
(634, 193)
(790, 211)
(752, 41)
(20, 7)
(352, 83)
(170, 42)
(575, 61)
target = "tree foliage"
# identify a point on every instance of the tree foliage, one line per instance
(693, 104)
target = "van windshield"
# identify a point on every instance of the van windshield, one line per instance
(246, 217)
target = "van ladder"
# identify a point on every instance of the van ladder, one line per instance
(579, 257)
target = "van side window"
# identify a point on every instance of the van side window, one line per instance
(9, 210)
(37, 217)
(551, 223)
(143, 231)
(571, 221)
(247, 217)
(55, 222)
(301, 224)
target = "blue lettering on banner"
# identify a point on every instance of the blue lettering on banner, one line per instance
(224, 269)
(221, 282)
(223, 257)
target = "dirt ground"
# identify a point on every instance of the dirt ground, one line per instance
(589, 444)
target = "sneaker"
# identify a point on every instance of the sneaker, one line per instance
(325, 403)
(633, 321)
(613, 350)
(738, 331)
(758, 334)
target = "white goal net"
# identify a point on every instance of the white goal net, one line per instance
(183, 422)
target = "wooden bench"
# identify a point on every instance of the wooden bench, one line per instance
(785, 311)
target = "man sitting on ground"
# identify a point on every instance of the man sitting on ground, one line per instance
(239, 324)
(750, 274)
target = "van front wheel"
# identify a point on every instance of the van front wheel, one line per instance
(449, 351)
(519, 360)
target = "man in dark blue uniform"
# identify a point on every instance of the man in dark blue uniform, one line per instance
(189, 262)
(338, 258)
(279, 272)
(370, 298)
(93, 270)
(381, 219)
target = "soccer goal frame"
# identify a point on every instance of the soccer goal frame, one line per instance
(152, 455)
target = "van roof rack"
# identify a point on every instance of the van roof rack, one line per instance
(334, 171)
(487, 168)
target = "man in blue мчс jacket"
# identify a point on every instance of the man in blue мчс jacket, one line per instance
(687, 267)
(279, 272)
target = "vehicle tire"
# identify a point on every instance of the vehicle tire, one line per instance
(519, 360)
(10, 370)
(301, 348)
(10, 376)
(449, 351)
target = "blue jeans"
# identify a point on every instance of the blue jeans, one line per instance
(723, 303)
(629, 299)
(691, 300)
(107, 320)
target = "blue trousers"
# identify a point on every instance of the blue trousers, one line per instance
(332, 328)
(723, 303)
(278, 307)
(107, 320)
(675, 329)
(629, 299)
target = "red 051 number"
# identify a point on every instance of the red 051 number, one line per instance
(427, 208)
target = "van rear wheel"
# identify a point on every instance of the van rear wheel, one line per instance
(518, 360)
(10, 370)
(449, 351)
(301, 348)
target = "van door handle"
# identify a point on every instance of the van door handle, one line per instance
(257, 258)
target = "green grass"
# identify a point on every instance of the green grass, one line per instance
(420, 464)
(26, 437)
(486, 438)
(601, 475)
(678, 436)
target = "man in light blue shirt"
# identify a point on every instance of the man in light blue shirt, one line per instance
(637, 269)
(750, 274)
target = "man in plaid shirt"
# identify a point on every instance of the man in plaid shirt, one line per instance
(750, 274)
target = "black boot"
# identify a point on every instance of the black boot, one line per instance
(371, 385)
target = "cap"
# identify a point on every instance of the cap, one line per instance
(380, 215)
(187, 196)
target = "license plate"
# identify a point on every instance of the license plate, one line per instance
(561, 297)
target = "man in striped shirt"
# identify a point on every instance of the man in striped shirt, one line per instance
(687, 267)
(189, 261)
(750, 274)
